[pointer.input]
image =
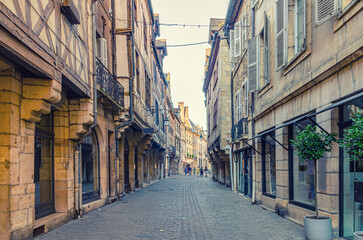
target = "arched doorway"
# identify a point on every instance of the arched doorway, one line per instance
(90, 171)
(126, 166)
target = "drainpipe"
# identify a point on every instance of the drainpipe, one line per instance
(253, 145)
(231, 146)
(77, 155)
(131, 81)
(114, 60)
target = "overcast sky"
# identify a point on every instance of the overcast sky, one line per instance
(186, 64)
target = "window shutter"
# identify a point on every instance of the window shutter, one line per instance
(253, 67)
(232, 48)
(280, 33)
(324, 9)
(237, 35)
(243, 29)
(246, 101)
(105, 52)
(266, 49)
(240, 104)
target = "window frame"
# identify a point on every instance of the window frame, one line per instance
(264, 143)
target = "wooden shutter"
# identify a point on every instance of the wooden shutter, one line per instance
(237, 35)
(281, 15)
(253, 68)
(240, 104)
(246, 100)
(324, 9)
(232, 48)
(244, 32)
(266, 49)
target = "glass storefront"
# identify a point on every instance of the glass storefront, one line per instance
(302, 176)
(352, 178)
(90, 169)
(43, 167)
(269, 164)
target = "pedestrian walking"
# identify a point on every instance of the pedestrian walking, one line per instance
(194, 171)
(201, 172)
(206, 171)
(198, 171)
(185, 170)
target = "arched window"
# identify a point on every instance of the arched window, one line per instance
(90, 169)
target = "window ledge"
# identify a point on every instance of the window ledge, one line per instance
(264, 89)
(349, 12)
(299, 57)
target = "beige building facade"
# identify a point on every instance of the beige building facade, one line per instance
(303, 67)
(218, 102)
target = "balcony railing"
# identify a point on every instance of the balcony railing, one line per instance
(172, 150)
(108, 85)
(240, 129)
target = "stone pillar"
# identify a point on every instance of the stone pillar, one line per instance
(227, 172)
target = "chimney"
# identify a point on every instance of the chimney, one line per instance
(181, 107)
(186, 112)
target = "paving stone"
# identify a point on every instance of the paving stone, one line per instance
(180, 207)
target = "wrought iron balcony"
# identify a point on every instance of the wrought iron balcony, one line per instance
(172, 150)
(239, 129)
(109, 86)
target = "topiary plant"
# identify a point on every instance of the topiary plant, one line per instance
(352, 140)
(311, 145)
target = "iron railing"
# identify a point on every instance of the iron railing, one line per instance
(109, 86)
(239, 129)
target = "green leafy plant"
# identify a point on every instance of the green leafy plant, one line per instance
(311, 145)
(352, 140)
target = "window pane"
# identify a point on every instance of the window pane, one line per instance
(352, 108)
(300, 25)
(89, 165)
(43, 173)
(303, 173)
(270, 165)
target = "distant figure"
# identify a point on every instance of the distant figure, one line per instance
(201, 172)
(186, 171)
(206, 171)
(194, 171)
(198, 170)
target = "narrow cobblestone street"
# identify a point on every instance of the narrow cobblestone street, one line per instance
(180, 207)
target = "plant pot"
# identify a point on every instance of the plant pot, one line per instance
(318, 229)
(358, 235)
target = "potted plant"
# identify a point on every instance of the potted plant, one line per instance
(311, 146)
(352, 143)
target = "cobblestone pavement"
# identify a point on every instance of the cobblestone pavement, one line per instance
(180, 207)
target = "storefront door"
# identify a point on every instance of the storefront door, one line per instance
(245, 172)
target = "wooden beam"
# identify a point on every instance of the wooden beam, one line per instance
(122, 31)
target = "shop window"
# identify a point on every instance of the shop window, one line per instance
(43, 167)
(90, 169)
(351, 177)
(301, 172)
(269, 165)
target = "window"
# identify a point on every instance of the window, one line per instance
(269, 165)
(145, 34)
(70, 11)
(238, 106)
(137, 72)
(155, 73)
(90, 169)
(135, 11)
(215, 76)
(147, 90)
(43, 166)
(290, 21)
(253, 66)
(156, 116)
(325, 9)
(245, 100)
(101, 45)
(301, 173)
(215, 114)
